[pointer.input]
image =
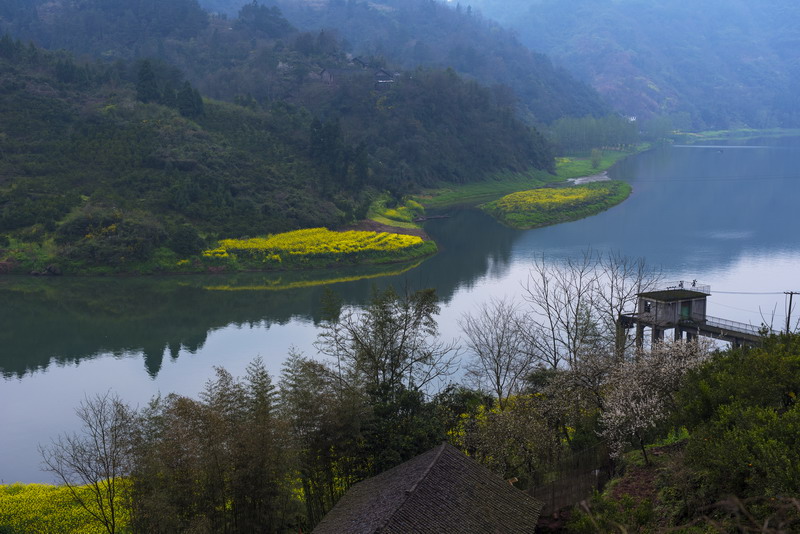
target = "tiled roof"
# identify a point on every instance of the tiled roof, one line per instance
(440, 491)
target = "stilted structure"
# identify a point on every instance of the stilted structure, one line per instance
(681, 307)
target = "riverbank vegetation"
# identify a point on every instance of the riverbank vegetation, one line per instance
(503, 183)
(549, 386)
(318, 247)
(405, 214)
(551, 205)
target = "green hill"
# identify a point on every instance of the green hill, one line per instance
(124, 166)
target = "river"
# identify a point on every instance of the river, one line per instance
(724, 215)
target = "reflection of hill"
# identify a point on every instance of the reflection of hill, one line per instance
(71, 319)
(68, 319)
(470, 243)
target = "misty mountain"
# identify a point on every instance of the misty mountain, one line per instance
(716, 63)
(212, 49)
(431, 33)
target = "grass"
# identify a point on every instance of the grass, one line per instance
(580, 166)
(739, 133)
(476, 193)
(504, 183)
(546, 206)
(399, 216)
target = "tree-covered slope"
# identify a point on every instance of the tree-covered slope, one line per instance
(442, 34)
(113, 164)
(720, 63)
(226, 57)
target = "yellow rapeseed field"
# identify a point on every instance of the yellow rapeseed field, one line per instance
(45, 508)
(552, 205)
(315, 248)
(548, 199)
(314, 242)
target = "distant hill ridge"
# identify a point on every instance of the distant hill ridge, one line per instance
(711, 64)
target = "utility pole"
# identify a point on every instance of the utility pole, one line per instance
(789, 310)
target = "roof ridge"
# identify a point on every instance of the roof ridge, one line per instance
(410, 491)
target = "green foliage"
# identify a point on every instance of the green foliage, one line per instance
(604, 514)
(541, 207)
(766, 377)
(402, 426)
(573, 134)
(743, 413)
(597, 157)
(748, 451)
(186, 242)
(220, 463)
(146, 86)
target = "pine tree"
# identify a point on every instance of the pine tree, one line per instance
(146, 85)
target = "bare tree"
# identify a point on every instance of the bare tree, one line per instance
(619, 282)
(576, 305)
(92, 464)
(496, 335)
(561, 299)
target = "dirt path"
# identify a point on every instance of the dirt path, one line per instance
(601, 177)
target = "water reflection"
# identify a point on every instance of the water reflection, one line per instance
(727, 218)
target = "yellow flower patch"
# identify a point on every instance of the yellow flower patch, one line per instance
(45, 508)
(314, 242)
(548, 199)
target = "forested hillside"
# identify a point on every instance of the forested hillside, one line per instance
(224, 55)
(441, 34)
(719, 63)
(112, 164)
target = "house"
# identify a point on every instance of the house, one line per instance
(440, 491)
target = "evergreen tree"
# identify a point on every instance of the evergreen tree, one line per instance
(146, 85)
(185, 100)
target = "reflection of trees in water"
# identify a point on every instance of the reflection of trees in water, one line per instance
(69, 319)
(471, 243)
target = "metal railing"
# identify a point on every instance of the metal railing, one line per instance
(691, 285)
(736, 326)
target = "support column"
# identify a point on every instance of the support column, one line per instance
(639, 335)
(658, 334)
(678, 333)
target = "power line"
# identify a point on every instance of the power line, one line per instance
(701, 179)
(737, 309)
(749, 292)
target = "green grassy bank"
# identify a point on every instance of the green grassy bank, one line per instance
(501, 184)
(553, 205)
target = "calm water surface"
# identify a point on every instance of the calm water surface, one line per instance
(724, 215)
